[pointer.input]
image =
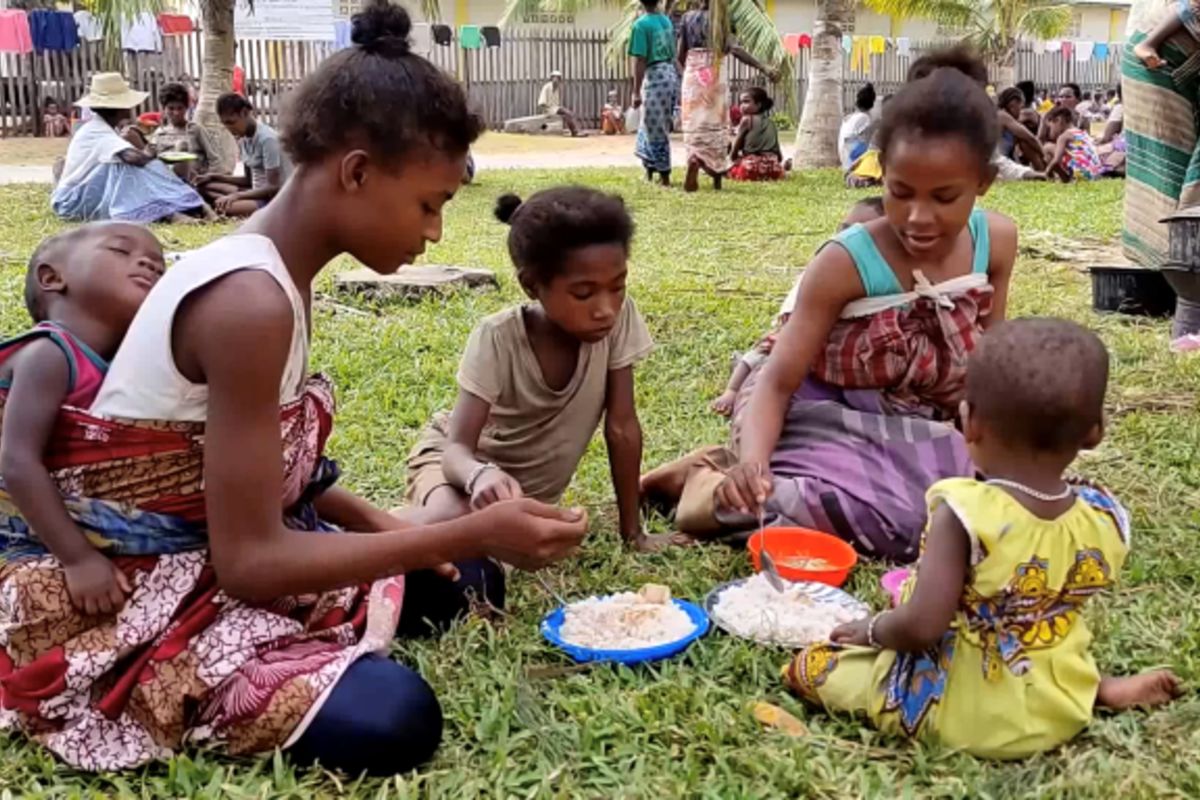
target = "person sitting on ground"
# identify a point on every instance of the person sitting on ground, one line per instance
(861, 212)
(1073, 153)
(202, 462)
(267, 166)
(756, 153)
(83, 288)
(535, 379)
(1015, 139)
(853, 139)
(1111, 146)
(612, 116)
(55, 124)
(550, 103)
(1069, 96)
(105, 176)
(178, 134)
(1029, 116)
(844, 426)
(989, 651)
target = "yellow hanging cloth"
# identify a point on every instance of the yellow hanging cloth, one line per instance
(878, 45)
(860, 58)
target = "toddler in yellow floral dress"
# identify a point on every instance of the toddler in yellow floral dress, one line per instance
(989, 651)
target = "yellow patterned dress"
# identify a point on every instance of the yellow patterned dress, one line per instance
(1013, 676)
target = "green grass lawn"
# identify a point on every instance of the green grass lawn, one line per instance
(708, 273)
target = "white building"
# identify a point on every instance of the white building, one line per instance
(1094, 20)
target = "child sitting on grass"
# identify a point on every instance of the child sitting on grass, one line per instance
(860, 213)
(82, 289)
(756, 154)
(1072, 153)
(989, 652)
(535, 379)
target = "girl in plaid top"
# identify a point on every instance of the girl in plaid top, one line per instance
(845, 426)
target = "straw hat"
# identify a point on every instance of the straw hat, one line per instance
(109, 90)
(556, 73)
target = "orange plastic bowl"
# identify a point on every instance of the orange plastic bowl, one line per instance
(791, 544)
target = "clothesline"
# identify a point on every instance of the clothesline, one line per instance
(862, 47)
(39, 31)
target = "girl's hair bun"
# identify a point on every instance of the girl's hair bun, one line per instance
(506, 206)
(382, 28)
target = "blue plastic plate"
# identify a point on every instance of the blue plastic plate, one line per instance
(553, 621)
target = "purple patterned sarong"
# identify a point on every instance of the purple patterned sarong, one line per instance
(845, 466)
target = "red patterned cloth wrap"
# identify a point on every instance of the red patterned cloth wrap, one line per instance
(182, 663)
(757, 167)
(916, 354)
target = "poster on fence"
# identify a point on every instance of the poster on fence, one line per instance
(285, 20)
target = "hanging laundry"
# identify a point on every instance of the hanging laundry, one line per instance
(860, 58)
(53, 31)
(847, 43)
(1052, 45)
(14, 32)
(141, 35)
(421, 39)
(175, 24)
(1101, 51)
(1067, 49)
(88, 27)
(470, 37)
(1084, 50)
(341, 34)
(903, 47)
(491, 36)
(791, 43)
(805, 41)
(878, 45)
(443, 35)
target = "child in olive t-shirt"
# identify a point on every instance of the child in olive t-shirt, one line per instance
(536, 379)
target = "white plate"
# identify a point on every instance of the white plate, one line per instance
(821, 593)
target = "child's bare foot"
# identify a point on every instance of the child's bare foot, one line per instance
(1146, 690)
(656, 543)
(1148, 56)
(723, 405)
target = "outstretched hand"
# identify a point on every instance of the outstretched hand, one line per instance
(529, 534)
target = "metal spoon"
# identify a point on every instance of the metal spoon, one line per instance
(768, 563)
(546, 585)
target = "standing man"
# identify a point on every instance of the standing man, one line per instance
(550, 103)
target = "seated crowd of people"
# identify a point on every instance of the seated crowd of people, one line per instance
(162, 166)
(1076, 135)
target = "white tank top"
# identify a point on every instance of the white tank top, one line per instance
(143, 381)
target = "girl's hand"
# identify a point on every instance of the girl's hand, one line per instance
(746, 488)
(96, 585)
(494, 486)
(852, 633)
(529, 535)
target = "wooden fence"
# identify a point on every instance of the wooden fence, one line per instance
(503, 82)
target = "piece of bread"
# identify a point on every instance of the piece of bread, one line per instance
(655, 593)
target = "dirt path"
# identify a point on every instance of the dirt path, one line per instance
(29, 160)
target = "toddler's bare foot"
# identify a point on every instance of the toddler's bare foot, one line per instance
(656, 543)
(723, 405)
(1148, 56)
(1146, 690)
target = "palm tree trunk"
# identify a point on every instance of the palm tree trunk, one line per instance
(216, 75)
(816, 137)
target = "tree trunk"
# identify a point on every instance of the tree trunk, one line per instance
(816, 136)
(216, 75)
(1006, 68)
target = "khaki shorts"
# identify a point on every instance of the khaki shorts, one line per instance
(425, 461)
(696, 513)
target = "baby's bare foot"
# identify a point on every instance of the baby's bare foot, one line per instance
(1148, 56)
(723, 405)
(1146, 690)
